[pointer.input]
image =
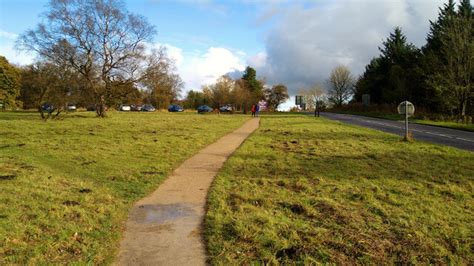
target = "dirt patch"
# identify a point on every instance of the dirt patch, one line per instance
(88, 162)
(7, 177)
(151, 173)
(70, 203)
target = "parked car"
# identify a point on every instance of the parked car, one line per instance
(148, 108)
(175, 108)
(136, 107)
(226, 109)
(124, 108)
(48, 108)
(71, 107)
(204, 109)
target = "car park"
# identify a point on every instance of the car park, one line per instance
(148, 108)
(175, 108)
(71, 107)
(204, 109)
(124, 108)
(226, 109)
(48, 108)
(136, 107)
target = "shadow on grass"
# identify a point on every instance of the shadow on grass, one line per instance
(32, 115)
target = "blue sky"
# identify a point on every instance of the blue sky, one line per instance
(294, 42)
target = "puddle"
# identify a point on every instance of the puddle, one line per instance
(161, 213)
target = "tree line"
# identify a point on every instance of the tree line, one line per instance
(436, 77)
(91, 52)
(94, 53)
(241, 93)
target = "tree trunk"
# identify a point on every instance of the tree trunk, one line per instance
(100, 107)
(463, 111)
(40, 110)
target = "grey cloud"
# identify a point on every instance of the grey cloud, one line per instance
(309, 41)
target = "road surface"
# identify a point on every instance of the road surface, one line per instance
(451, 137)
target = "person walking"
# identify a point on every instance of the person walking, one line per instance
(254, 109)
(257, 109)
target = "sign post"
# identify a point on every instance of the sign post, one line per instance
(301, 101)
(408, 109)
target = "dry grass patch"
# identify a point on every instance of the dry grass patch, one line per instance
(306, 190)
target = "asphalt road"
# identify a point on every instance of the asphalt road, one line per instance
(451, 137)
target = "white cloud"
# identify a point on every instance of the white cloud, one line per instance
(202, 68)
(8, 35)
(174, 53)
(7, 49)
(307, 42)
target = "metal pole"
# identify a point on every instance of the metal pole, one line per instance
(406, 120)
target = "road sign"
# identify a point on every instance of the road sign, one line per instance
(406, 107)
(299, 100)
(366, 99)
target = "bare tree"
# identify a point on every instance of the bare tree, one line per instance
(162, 84)
(313, 96)
(221, 92)
(98, 38)
(341, 83)
(455, 81)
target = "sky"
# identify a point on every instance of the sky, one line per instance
(293, 42)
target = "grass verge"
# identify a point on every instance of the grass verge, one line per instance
(66, 186)
(306, 190)
(397, 117)
(453, 125)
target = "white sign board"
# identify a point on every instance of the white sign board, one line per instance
(408, 106)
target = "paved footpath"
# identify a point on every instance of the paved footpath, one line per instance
(446, 136)
(165, 227)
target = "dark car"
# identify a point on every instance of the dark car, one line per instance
(48, 108)
(148, 108)
(226, 109)
(175, 108)
(204, 109)
(136, 107)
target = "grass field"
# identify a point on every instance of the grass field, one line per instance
(66, 186)
(307, 190)
(454, 125)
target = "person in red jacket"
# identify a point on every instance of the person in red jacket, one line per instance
(254, 110)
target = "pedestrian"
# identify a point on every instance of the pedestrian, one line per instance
(257, 109)
(254, 109)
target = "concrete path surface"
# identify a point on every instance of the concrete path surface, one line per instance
(165, 227)
(446, 136)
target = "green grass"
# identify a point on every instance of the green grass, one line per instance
(307, 190)
(454, 125)
(66, 186)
